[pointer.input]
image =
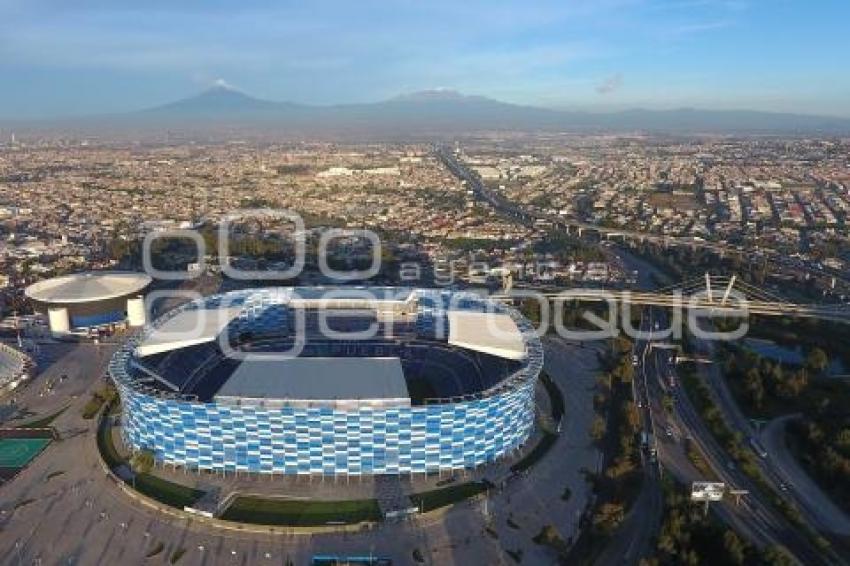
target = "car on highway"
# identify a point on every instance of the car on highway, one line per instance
(757, 447)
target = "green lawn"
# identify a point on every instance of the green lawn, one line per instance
(292, 512)
(107, 448)
(430, 500)
(167, 492)
(162, 490)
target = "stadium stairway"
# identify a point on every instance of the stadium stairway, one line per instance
(392, 497)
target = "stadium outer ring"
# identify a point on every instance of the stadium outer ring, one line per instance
(438, 436)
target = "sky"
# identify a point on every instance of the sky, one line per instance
(62, 58)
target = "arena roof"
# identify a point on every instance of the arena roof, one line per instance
(187, 328)
(320, 379)
(88, 287)
(491, 333)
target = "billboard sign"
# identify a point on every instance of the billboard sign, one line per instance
(707, 491)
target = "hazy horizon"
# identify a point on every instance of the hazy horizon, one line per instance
(589, 109)
(112, 57)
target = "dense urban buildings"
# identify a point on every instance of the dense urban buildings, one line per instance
(191, 422)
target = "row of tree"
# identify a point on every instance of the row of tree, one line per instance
(618, 431)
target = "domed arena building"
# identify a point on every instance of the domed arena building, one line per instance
(77, 303)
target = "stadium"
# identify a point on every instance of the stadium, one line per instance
(350, 381)
(15, 368)
(77, 303)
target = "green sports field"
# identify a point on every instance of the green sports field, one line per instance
(17, 452)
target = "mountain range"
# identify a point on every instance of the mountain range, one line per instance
(446, 112)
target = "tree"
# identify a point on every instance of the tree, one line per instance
(622, 345)
(609, 516)
(776, 376)
(549, 536)
(794, 383)
(597, 429)
(620, 467)
(776, 555)
(625, 371)
(754, 386)
(842, 440)
(142, 461)
(817, 360)
(734, 547)
(632, 415)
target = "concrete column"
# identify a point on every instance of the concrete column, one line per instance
(58, 320)
(136, 315)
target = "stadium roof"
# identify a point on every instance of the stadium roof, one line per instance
(88, 287)
(187, 328)
(491, 333)
(320, 379)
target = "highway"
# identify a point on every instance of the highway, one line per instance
(755, 518)
(814, 501)
(657, 377)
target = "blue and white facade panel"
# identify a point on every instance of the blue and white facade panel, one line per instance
(293, 440)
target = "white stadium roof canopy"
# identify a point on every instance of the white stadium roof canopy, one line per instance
(88, 287)
(491, 333)
(187, 328)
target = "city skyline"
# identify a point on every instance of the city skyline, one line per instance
(611, 55)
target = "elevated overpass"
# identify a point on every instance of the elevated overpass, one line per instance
(716, 294)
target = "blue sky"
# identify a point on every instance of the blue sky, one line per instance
(112, 55)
